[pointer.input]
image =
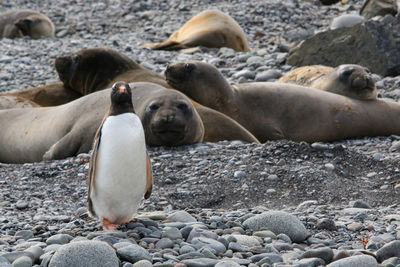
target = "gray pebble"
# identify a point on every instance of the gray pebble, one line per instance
(134, 253)
(181, 216)
(389, 250)
(278, 222)
(23, 261)
(355, 261)
(142, 263)
(92, 253)
(59, 239)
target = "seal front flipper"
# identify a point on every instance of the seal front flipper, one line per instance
(65, 147)
(167, 45)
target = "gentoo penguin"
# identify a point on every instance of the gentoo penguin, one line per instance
(120, 173)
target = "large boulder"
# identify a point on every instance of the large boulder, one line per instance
(374, 44)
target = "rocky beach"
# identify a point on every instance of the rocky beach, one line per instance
(278, 204)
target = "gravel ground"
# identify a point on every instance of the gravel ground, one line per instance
(342, 192)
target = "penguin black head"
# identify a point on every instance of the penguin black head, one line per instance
(121, 98)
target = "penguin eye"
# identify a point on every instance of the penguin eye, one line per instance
(154, 107)
(189, 67)
(183, 106)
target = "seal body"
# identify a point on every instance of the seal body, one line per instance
(46, 95)
(120, 173)
(7, 102)
(273, 111)
(210, 28)
(34, 134)
(349, 80)
(19, 23)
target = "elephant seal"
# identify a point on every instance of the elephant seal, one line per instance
(87, 71)
(8, 102)
(44, 133)
(93, 69)
(46, 95)
(349, 80)
(285, 111)
(210, 28)
(20, 23)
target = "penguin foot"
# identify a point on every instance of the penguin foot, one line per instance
(107, 225)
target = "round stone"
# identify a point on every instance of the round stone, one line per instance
(92, 253)
(278, 222)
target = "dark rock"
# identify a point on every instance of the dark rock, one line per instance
(372, 8)
(373, 44)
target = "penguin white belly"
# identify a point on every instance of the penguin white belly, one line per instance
(120, 168)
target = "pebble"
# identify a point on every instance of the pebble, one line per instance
(92, 253)
(181, 216)
(278, 222)
(134, 253)
(23, 261)
(355, 261)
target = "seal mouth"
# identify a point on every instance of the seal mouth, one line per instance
(362, 84)
(173, 82)
(171, 134)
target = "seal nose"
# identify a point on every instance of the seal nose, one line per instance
(167, 117)
(360, 82)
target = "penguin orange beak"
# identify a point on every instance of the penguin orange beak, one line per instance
(122, 89)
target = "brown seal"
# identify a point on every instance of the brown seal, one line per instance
(93, 69)
(285, 111)
(46, 95)
(87, 71)
(19, 23)
(349, 80)
(34, 134)
(210, 28)
(8, 102)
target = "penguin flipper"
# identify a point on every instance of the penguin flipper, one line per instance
(92, 170)
(149, 178)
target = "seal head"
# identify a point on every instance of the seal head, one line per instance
(349, 80)
(89, 70)
(169, 118)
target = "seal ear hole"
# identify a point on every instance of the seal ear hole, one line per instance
(189, 68)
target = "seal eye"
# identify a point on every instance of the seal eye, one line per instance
(154, 107)
(347, 73)
(189, 67)
(183, 106)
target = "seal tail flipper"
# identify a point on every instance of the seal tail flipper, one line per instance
(167, 45)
